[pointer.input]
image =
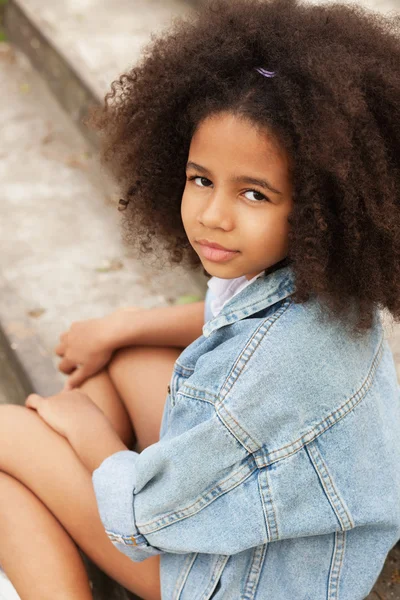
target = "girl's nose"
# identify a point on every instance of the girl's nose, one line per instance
(217, 212)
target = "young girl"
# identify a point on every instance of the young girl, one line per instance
(256, 454)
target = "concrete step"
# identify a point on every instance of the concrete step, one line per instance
(62, 255)
(81, 46)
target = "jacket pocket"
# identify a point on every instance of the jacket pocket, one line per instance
(177, 380)
(175, 383)
(201, 577)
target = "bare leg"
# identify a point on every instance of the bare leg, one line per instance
(45, 463)
(102, 391)
(140, 375)
(55, 559)
(54, 473)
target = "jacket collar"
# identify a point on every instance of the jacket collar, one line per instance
(260, 294)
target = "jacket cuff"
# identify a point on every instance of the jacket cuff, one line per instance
(114, 485)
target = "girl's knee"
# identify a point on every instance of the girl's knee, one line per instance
(12, 414)
(20, 423)
(21, 430)
(124, 355)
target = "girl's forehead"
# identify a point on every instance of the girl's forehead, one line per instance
(227, 127)
(226, 139)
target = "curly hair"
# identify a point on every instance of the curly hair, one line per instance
(334, 105)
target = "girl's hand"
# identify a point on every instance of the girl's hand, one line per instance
(87, 347)
(69, 412)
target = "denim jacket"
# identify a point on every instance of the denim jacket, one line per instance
(277, 472)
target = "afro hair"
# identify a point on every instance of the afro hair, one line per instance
(334, 105)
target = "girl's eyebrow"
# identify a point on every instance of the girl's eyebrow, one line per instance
(239, 178)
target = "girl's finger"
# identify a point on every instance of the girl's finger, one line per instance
(77, 378)
(33, 401)
(66, 366)
(60, 349)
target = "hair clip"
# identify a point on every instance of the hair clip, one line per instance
(265, 72)
(122, 204)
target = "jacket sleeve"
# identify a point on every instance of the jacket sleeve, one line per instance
(195, 490)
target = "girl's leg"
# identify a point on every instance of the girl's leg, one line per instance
(132, 390)
(44, 462)
(45, 563)
(140, 375)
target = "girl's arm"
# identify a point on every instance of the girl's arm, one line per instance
(91, 343)
(176, 325)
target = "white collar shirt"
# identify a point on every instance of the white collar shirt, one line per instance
(224, 289)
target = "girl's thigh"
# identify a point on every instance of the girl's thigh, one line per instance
(44, 461)
(141, 375)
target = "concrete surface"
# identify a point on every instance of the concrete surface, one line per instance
(62, 256)
(61, 241)
(102, 38)
(11, 383)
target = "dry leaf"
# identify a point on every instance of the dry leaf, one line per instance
(395, 578)
(36, 312)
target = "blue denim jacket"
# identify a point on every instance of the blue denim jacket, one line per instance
(277, 472)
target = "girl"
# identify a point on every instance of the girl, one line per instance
(254, 455)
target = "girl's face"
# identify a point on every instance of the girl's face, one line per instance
(221, 204)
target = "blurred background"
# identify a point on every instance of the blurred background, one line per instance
(62, 257)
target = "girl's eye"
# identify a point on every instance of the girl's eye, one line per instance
(261, 197)
(198, 177)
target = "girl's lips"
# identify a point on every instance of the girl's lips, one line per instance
(215, 254)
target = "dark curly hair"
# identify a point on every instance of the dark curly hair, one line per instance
(334, 105)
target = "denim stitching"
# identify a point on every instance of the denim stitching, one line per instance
(129, 540)
(255, 340)
(291, 448)
(237, 430)
(269, 511)
(189, 390)
(197, 398)
(336, 565)
(183, 575)
(266, 324)
(274, 456)
(335, 499)
(351, 403)
(237, 313)
(182, 368)
(243, 473)
(254, 572)
(341, 503)
(219, 566)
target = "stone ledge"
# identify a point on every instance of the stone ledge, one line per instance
(72, 92)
